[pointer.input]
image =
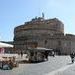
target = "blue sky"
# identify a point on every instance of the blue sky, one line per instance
(16, 12)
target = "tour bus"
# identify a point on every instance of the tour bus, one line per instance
(38, 54)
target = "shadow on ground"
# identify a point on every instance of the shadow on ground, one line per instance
(31, 62)
(70, 63)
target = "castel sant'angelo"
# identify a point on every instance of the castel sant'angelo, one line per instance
(48, 33)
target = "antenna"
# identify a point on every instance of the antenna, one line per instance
(42, 15)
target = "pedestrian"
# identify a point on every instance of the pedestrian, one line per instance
(21, 54)
(72, 55)
(46, 55)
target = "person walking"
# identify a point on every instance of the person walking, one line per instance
(21, 54)
(46, 55)
(72, 55)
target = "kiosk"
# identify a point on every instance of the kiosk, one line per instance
(38, 54)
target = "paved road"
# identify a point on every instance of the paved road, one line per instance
(69, 70)
(43, 68)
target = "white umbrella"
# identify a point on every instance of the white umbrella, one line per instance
(5, 45)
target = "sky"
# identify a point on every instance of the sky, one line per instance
(16, 12)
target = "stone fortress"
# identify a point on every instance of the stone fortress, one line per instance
(48, 33)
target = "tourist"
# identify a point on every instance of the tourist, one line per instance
(21, 54)
(72, 55)
(46, 55)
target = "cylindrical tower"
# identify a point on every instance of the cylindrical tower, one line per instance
(36, 31)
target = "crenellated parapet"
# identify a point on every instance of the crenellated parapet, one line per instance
(39, 26)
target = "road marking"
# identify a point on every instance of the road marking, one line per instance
(60, 70)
